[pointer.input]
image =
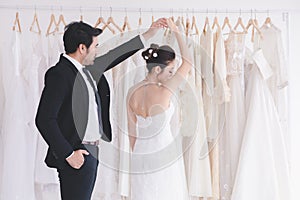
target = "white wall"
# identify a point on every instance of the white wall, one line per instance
(7, 17)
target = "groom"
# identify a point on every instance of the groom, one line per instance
(73, 112)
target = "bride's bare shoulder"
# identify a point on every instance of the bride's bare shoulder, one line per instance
(134, 88)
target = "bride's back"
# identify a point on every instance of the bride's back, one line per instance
(148, 99)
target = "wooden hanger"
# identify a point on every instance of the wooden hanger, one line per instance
(52, 21)
(126, 24)
(182, 22)
(254, 27)
(111, 21)
(194, 25)
(152, 18)
(102, 21)
(187, 26)
(17, 24)
(35, 22)
(268, 21)
(140, 18)
(255, 20)
(81, 16)
(241, 24)
(216, 23)
(226, 22)
(61, 19)
(206, 24)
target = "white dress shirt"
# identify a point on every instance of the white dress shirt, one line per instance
(92, 128)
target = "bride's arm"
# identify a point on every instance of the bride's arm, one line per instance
(186, 57)
(131, 118)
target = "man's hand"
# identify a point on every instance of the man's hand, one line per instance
(160, 23)
(77, 159)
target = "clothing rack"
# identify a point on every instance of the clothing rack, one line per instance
(144, 10)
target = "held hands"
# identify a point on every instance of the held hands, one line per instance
(160, 23)
(172, 26)
(77, 159)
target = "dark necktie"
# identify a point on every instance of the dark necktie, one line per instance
(97, 98)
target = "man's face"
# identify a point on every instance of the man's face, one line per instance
(91, 53)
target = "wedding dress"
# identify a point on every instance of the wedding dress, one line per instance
(157, 168)
(17, 142)
(263, 165)
(231, 139)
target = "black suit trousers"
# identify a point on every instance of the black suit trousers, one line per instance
(78, 184)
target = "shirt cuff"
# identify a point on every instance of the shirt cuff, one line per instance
(143, 40)
(70, 155)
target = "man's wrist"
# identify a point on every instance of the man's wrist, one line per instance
(70, 155)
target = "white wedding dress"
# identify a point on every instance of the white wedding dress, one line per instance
(263, 171)
(157, 168)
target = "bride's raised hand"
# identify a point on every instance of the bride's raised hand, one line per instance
(172, 26)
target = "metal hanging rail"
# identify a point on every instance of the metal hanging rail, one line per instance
(144, 10)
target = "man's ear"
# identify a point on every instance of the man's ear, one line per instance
(82, 48)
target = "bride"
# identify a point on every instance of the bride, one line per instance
(157, 170)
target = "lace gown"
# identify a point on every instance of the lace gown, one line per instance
(157, 170)
(231, 139)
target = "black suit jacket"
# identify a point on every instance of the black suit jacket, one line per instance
(63, 109)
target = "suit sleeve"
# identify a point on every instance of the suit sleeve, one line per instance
(52, 98)
(115, 56)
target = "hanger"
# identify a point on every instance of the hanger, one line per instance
(226, 22)
(187, 26)
(168, 31)
(111, 21)
(254, 26)
(101, 20)
(206, 24)
(172, 15)
(17, 26)
(182, 22)
(216, 23)
(268, 21)
(35, 21)
(194, 25)
(140, 18)
(61, 19)
(126, 23)
(52, 21)
(152, 18)
(81, 16)
(255, 20)
(241, 24)
(187, 23)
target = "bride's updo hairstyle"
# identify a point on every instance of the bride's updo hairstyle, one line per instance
(158, 56)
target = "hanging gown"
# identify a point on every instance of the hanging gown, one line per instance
(18, 143)
(113, 180)
(55, 48)
(46, 179)
(272, 46)
(263, 167)
(220, 96)
(192, 125)
(231, 138)
(206, 52)
(157, 168)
